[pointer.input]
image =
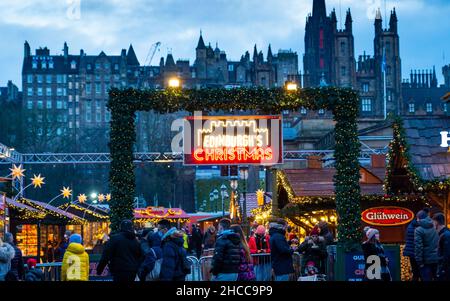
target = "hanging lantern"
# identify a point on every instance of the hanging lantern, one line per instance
(260, 197)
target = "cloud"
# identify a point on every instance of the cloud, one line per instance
(235, 24)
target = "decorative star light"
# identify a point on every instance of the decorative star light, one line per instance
(66, 192)
(37, 181)
(17, 171)
(82, 198)
(101, 197)
(108, 197)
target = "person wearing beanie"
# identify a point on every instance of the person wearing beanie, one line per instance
(122, 253)
(260, 242)
(426, 243)
(33, 273)
(75, 264)
(280, 252)
(314, 250)
(373, 247)
(174, 257)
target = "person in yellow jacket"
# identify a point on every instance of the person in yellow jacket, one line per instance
(75, 264)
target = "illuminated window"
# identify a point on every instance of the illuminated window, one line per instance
(366, 104)
(411, 108)
(429, 107)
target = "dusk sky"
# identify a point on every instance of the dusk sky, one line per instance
(236, 25)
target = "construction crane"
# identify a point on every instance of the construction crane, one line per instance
(148, 61)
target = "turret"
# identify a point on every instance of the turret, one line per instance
(393, 21)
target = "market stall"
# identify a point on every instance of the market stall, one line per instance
(96, 225)
(148, 217)
(39, 230)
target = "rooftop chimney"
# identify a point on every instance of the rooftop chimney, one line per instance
(378, 160)
(314, 162)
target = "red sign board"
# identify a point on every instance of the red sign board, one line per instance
(232, 140)
(387, 216)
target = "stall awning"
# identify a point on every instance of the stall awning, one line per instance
(12, 203)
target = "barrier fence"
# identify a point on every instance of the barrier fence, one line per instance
(201, 268)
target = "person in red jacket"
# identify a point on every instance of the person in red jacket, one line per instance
(259, 243)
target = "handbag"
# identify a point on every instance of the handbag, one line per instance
(154, 274)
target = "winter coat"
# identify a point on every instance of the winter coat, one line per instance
(17, 265)
(314, 252)
(209, 240)
(378, 250)
(34, 274)
(444, 254)
(281, 253)
(122, 253)
(173, 254)
(153, 242)
(75, 264)
(227, 253)
(426, 242)
(6, 255)
(259, 244)
(409, 239)
(196, 239)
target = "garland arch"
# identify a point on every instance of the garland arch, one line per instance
(342, 102)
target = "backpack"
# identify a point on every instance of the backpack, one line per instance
(154, 274)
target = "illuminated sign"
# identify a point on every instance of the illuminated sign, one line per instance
(219, 140)
(387, 216)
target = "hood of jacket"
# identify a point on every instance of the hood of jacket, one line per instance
(426, 223)
(6, 252)
(273, 231)
(75, 248)
(154, 240)
(231, 235)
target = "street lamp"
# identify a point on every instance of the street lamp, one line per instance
(224, 194)
(244, 176)
(174, 82)
(291, 86)
(93, 195)
(211, 199)
(216, 197)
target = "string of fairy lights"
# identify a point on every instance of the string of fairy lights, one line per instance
(400, 147)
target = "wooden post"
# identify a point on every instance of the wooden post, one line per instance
(38, 241)
(275, 209)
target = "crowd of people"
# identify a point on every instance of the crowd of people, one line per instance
(162, 253)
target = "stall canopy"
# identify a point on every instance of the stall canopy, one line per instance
(154, 214)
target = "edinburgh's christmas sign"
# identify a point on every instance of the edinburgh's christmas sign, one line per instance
(216, 140)
(387, 216)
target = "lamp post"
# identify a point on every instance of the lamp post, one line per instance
(216, 198)
(211, 200)
(224, 194)
(244, 176)
(234, 186)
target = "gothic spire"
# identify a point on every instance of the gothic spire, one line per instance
(319, 9)
(201, 43)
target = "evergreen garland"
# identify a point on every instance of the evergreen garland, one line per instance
(343, 102)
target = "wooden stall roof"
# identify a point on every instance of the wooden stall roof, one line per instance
(12, 203)
(423, 137)
(51, 210)
(84, 211)
(319, 182)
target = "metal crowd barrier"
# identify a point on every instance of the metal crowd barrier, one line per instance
(262, 265)
(52, 270)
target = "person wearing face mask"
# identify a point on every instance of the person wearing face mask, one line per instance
(373, 247)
